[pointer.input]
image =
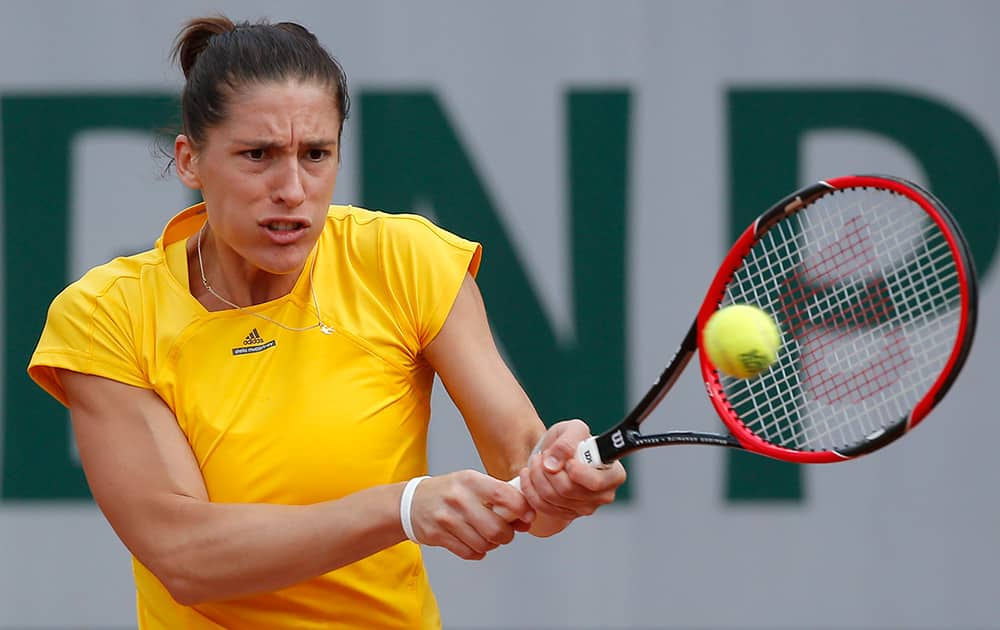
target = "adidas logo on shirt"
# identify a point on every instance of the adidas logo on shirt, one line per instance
(253, 343)
(253, 338)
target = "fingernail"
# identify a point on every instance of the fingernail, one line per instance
(551, 463)
(529, 516)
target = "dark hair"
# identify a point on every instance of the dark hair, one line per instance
(219, 57)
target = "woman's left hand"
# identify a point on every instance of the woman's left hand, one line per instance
(559, 487)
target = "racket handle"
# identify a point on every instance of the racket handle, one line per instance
(586, 452)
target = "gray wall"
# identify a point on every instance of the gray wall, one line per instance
(903, 539)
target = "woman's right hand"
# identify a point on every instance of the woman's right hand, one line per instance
(456, 511)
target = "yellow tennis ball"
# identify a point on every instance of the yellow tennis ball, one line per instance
(741, 340)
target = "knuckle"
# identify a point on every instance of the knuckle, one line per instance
(554, 499)
(481, 546)
(467, 554)
(453, 501)
(499, 535)
(444, 518)
(502, 539)
(498, 494)
(591, 484)
(560, 511)
(563, 485)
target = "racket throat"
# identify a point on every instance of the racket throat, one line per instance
(620, 442)
(673, 438)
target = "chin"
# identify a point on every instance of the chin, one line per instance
(285, 268)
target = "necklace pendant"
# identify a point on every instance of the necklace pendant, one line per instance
(326, 330)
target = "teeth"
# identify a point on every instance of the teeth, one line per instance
(282, 225)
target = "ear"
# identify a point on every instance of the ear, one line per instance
(186, 162)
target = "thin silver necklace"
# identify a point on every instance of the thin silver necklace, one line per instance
(326, 330)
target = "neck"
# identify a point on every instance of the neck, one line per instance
(219, 281)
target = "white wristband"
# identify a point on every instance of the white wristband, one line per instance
(405, 504)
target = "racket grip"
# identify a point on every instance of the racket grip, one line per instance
(586, 452)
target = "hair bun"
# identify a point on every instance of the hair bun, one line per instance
(194, 37)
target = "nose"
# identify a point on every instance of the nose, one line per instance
(288, 188)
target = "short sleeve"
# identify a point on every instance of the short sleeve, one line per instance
(423, 266)
(91, 332)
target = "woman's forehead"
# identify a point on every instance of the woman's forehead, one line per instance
(283, 108)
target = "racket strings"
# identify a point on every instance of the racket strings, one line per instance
(867, 295)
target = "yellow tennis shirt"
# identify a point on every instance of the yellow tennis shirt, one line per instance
(275, 416)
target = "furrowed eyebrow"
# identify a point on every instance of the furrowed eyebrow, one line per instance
(320, 142)
(257, 144)
(270, 145)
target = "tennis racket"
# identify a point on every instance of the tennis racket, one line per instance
(873, 288)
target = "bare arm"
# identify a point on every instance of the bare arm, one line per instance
(501, 419)
(145, 479)
(505, 426)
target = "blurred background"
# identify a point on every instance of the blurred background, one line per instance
(606, 154)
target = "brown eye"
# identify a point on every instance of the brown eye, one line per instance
(255, 154)
(317, 155)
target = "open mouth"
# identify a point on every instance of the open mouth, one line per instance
(285, 226)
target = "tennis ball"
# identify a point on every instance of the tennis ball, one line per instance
(741, 340)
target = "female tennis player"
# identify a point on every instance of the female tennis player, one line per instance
(251, 397)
